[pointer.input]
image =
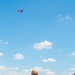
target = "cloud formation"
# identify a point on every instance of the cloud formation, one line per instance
(18, 56)
(2, 68)
(44, 71)
(66, 17)
(49, 60)
(71, 71)
(3, 42)
(14, 71)
(1, 54)
(43, 45)
(73, 53)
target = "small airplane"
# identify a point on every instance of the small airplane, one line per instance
(20, 10)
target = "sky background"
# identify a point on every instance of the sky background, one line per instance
(41, 38)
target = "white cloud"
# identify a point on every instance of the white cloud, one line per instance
(12, 71)
(66, 17)
(49, 60)
(2, 68)
(41, 71)
(1, 54)
(73, 53)
(50, 73)
(73, 68)
(43, 45)
(71, 71)
(8, 71)
(3, 42)
(18, 56)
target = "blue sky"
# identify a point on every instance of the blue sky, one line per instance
(42, 37)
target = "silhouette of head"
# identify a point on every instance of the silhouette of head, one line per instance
(34, 72)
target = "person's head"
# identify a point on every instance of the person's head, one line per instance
(34, 72)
